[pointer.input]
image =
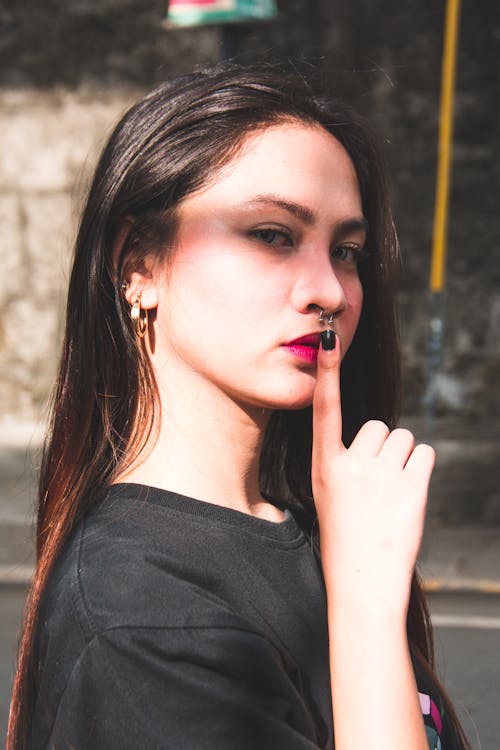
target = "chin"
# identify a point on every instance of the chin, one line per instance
(293, 402)
(299, 394)
(296, 405)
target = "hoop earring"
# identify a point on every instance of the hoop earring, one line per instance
(139, 318)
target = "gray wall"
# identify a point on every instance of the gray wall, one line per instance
(68, 68)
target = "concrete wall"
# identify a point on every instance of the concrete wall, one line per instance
(68, 69)
(49, 139)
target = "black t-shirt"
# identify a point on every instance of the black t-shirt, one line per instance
(173, 623)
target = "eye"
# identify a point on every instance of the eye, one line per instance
(347, 253)
(273, 237)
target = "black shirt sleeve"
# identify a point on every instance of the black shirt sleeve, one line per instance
(185, 688)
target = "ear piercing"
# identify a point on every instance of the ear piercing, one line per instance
(324, 320)
(328, 337)
(138, 315)
(139, 318)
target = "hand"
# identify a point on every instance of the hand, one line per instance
(370, 500)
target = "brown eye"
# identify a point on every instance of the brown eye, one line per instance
(273, 237)
(346, 253)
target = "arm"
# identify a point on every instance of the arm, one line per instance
(370, 502)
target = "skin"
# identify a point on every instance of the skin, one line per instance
(246, 276)
(268, 241)
(371, 503)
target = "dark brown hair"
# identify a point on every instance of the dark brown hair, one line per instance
(163, 149)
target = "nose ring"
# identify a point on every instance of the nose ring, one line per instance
(326, 320)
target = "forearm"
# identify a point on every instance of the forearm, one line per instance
(374, 694)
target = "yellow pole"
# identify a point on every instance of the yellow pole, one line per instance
(444, 146)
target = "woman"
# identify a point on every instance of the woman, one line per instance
(215, 568)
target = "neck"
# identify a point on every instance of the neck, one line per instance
(207, 447)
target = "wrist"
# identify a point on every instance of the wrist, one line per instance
(367, 590)
(369, 603)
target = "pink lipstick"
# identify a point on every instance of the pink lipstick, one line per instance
(305, 348)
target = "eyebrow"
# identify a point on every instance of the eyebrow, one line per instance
(306, 215)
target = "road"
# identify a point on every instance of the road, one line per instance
(467, 633)
(467, 643)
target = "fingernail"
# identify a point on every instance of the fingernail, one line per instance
(328, 340)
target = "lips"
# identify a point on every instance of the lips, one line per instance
(304, 349)
(312, 339)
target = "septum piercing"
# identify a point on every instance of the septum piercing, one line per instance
(326, 321)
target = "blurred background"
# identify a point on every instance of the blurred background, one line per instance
(69, 68)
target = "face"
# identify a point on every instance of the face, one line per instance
(274, 237)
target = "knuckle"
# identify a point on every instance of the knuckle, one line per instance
(404, 434)
(330, 364)
(323, 402)
(377, 426)
(427, 449)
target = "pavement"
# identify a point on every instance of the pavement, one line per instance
(461, 547)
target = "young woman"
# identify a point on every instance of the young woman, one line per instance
(228, 527)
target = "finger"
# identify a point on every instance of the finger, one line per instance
(327, 410)
(420, 464)
(370, 439)
(397, 448)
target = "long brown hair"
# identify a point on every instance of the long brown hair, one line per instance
(163, 149)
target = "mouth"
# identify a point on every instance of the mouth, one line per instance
(305, 348)
(312, 339)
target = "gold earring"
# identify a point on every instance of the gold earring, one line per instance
(139, 318)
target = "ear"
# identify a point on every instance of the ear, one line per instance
(142, 284)
(137, 270)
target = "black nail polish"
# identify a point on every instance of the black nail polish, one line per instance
(328, 339)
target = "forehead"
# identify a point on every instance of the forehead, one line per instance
(300, 162)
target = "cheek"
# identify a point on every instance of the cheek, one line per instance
(354, 302)
(228, 284)
(357, 300)
(208, 296)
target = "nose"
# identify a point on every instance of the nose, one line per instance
(319, 288)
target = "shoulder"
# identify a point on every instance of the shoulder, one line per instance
(186, 688)
(142, 629)
(133, 563)
(157, 685)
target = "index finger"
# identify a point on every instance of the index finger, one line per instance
(327, 409)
